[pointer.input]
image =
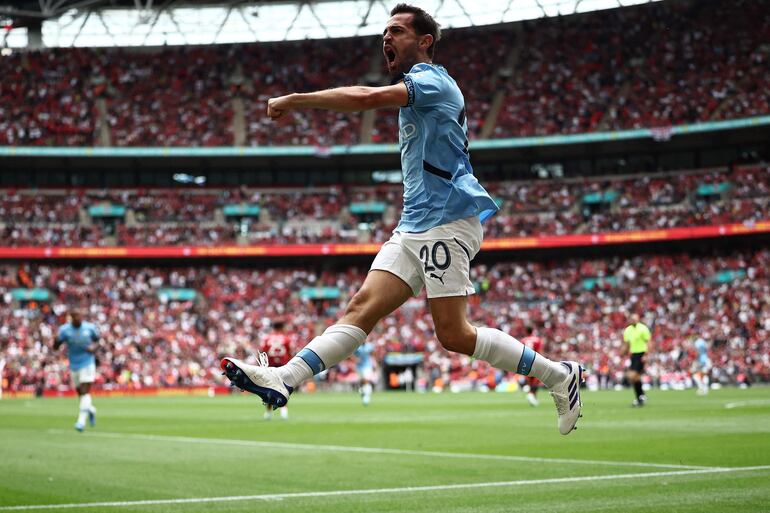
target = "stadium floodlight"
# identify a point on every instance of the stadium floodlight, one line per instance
(185, 178)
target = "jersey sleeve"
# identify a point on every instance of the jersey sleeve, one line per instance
(61, 335)
(626, 335)
(426, 88)
(647, 334)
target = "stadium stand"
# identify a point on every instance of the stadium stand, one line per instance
(167, 326)
(205, 217)
(636, 67)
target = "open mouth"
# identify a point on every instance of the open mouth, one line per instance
(390, 55)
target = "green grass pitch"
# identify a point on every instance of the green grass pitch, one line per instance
(424, 453)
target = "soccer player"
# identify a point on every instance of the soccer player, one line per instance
(277, 347)
(365, 371)
(437, 236)
(636, 337)
(702, 366)
(536, 344)
(82, 340)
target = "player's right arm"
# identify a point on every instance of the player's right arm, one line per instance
(341, 99)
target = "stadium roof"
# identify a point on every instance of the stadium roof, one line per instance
(172, 22)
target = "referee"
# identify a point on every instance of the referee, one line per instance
(636, 337)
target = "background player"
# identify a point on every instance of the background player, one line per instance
(438, 235)
(82, 341)
(637, 337)
(277, 347)
(536, 344)
(702, 366)
(365, 370)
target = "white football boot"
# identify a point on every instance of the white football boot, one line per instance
(260, 379)
(566, 395)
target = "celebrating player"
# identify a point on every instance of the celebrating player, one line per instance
(438, 235)
(536, 344)
(82, 340)
(277, 347)
(636, 337)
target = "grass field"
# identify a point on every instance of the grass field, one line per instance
(405, 452)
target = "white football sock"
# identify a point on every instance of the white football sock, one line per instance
(366, 393)
(86, 403)
(505, 352)
(323, 352)
(83, 409)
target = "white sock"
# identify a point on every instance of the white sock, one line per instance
(323, 352)
(697, 380)
(505, 352)
(366, 392)
(83, 409)
(86, 403)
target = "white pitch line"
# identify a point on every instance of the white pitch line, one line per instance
(406, 489)
(753, 402)
(377, 450)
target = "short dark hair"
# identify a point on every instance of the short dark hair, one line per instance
(422, 22)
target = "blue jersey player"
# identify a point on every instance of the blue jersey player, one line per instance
(81, 339)
(365, 371)
(702, 366)
(438, 235)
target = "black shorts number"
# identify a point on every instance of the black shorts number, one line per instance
(439, 261)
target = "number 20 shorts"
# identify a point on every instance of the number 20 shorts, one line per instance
(439, 259)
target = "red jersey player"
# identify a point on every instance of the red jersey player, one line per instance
(535, 343)
(277, 347)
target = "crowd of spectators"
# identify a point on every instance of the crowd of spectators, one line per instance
(653, 65)
(578, 306)
(648, 66)
(171, 97)
(275, 69)
(47, 98)
(160, 217)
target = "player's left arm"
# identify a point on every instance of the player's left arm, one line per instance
(648, 339)
(341, 99)
(96, 342)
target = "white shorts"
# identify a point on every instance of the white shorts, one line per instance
(439, 259)
(367, 374)
(701, 366)
(85, 375)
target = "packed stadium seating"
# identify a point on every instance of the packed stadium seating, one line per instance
(283, 216)
(637, 68)
(642, 66)
(579, 306)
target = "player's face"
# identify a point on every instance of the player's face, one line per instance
(76, 319)
(401, 44)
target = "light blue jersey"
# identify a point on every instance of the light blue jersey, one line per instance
(364, 355)
(439, 186)
(77, 340)
(701, 346)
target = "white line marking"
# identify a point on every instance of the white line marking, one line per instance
(405, 489)
(375, 450)
(741, 404)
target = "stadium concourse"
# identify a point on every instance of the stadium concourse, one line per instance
(636, 67)
(580, 306)
(172, 217)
